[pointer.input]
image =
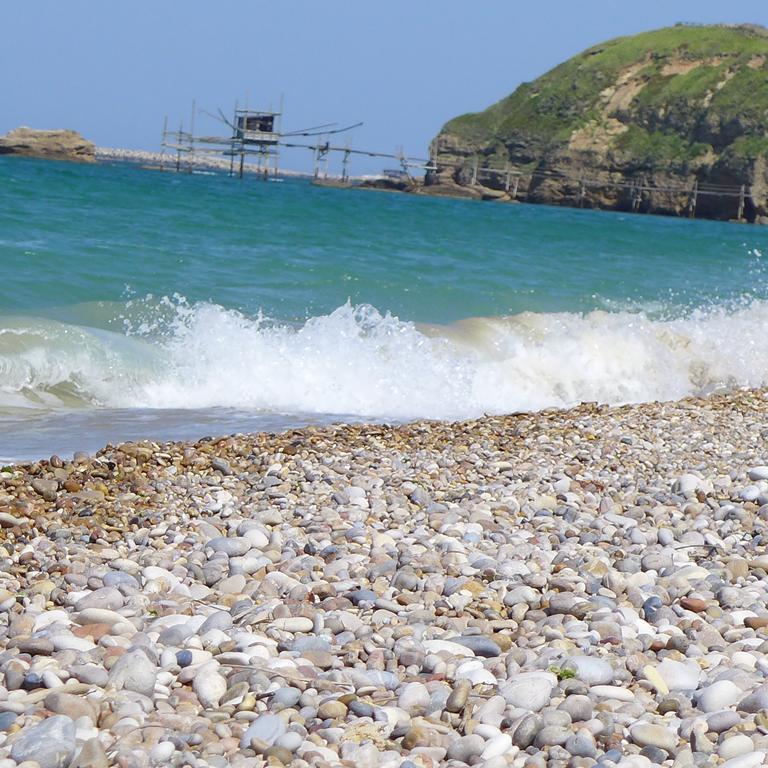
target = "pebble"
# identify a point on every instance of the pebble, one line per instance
(267, 728)
(719, 695)
(50, 743)
(733, 746)
(648, 735)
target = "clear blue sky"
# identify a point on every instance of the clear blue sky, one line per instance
(113, 69)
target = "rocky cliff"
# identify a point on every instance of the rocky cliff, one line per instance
(52, 145)
(673, 121)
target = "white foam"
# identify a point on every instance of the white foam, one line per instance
(357, 361)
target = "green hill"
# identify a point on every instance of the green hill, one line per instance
(679, 105)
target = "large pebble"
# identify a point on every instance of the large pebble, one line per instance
(267, 728)
(649, 735)
(133, 671)
(529, 690)
(50, 743)
(719, 695)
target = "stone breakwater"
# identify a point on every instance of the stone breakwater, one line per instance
(565, 589)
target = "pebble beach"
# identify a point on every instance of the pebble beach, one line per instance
(563, 589)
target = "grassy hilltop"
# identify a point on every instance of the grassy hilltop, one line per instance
(686, 101)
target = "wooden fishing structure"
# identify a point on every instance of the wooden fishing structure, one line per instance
(256, 135)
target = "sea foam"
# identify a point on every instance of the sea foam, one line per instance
(357, 360)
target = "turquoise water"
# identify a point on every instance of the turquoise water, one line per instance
(136, 303)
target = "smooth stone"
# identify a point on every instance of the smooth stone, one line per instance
(526, 731)
(679, 676)
(754, 702)
(232, 585)
(529, 690)
(102, 616)
(719, 695)
(209, 686)
(332, 710)
(293, 624)
(465, 748)
(221, 620)
(612, 692)
(106, 598)
(91, 755)
(723, 720)
(656, 755)
(447, 646)
(578, 707)
(481, 646)
(287, 697)
(751, 760)
(582, 744)
(267, 728)
(591, 670)
(361, 708)
(649, 735)
(35, 646)
(70, 705)
(133, 671)
(162, 752)
(552, 735)
(235, 546)
(51, 743)
(414, 697)
(733, 746)
(91, 674)
(497, 746)
(290, 741)
(7, 719)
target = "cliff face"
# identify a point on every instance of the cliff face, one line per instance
(53, 145)
(673, 121)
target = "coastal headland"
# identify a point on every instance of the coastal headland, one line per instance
(538, 589)
(671, 121)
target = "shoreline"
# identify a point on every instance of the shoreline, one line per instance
(556, 586)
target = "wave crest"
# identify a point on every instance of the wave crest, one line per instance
(357, 360)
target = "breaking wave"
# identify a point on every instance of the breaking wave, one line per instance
(357, 360)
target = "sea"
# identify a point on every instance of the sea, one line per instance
(137, 304)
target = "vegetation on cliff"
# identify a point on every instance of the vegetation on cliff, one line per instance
(683, 100)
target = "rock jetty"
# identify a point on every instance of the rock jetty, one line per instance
(672, 121)
(50, 145)
(565, 589)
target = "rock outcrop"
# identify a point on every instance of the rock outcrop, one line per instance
(673, 121)
(51, 145)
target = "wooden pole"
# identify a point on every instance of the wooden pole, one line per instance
(178, 147)
(742, 194)
(694, 198)
(162, 144)
(516, 185)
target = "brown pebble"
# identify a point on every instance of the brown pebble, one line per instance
(694, 604)
(756, 622)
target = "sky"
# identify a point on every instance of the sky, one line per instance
(113, 69)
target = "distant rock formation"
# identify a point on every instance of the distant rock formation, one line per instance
(51, 145)
(673, 121)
